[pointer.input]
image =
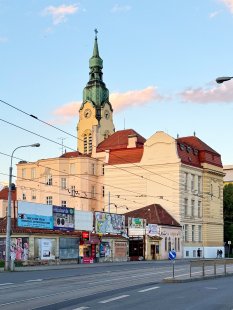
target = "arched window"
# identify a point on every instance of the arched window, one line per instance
(165, 241)
(85, 144)
(90, 143)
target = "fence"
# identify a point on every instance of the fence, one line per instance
(222, 265)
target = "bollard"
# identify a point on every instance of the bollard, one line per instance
(190, 270)
(173, 268)
(12, 265)
(203, 269)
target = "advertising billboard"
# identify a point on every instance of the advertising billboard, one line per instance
(136, 222)
(109, 223)
(63, 218)
(152, 230)
(83, 220)
(35, 215)
(19, 248)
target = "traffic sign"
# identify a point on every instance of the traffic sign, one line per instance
(172, 255)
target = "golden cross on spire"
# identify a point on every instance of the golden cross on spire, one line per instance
(96, 31)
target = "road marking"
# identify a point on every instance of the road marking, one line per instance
(148, 289)
(113, 299)
(6, 283)
(81, 308)
(211, 288)
(36, 280)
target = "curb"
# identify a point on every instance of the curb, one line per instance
(175, 280)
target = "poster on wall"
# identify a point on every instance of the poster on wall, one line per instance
(35, 215)
(136, 223)
(152, 230)
(109, 223)
(19, 248)
(105, 249)
(63, 218)
(47, 249)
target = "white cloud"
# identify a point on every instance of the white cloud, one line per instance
(121, 8)
(60, 13)
(222, 93)
(229, 4)
(214, 14)
(119, 101)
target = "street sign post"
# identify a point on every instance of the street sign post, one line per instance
(172, 257)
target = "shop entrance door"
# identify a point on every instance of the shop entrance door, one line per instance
(152, 251)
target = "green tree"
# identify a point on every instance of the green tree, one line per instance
(228, 212)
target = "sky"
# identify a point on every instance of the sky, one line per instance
(160, 58)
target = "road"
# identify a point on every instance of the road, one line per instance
(114, 286)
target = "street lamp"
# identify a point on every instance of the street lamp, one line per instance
(8, 228)
(222, 79)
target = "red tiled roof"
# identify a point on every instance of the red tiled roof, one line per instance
(73, 154)
(154, 214)
(194, 152)
(4, 194)
(125, 156)
(119, 140)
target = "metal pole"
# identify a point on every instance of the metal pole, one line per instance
(8, 265)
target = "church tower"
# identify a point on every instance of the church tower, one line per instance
(95, 114)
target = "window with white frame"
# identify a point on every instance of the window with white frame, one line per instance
(178, 241)
(199, 209)
(186, 232)
(169, 244)
(73, 191)
(186, 181)
(192, 182)
(199, 233)
(199, 185)
(192, 207)
(24, 196)
(33, 193)
(185, 207)
(33, 173)
(175, 244)
(193, 233)
(63, 183)
(49, 180)
(63, 203)
(23, 173)
(49, 200)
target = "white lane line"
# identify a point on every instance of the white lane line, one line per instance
(82, 308)
(36, 280)
(6, 283)
(113, 299)
(148, 289)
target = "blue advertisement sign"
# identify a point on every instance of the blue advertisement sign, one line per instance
(63, 218)
(35, 221)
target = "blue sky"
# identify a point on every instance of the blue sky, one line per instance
(160, 58)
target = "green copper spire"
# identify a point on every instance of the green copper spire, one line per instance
(95, 90)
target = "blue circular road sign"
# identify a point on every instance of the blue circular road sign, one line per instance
(172, 254)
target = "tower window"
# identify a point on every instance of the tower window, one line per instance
(90, 143)
(85, 144)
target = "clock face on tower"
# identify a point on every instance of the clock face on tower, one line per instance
(87, 113)
(106, 114)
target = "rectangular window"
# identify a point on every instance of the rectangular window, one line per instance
(72, 168)
(93, 191)
(186, 232)
(63, 183)
(211, 191)
(186, 181)
(185, 207)
(33, 173)
(90, 143)
(192, 208)
(93, 169)
(199, 185)
(73, 191)
(49, 180)
(33, 193)
(192, 182)
(103, 169)
(187, 253)
(175, 244)
(199, 209)
(85, 144)
(103, 191)
(165, 244)
(49, 200)
(199, 233)
(24, 196)
(178, 244)
(193, 233)
(23, 173)
(63, 203)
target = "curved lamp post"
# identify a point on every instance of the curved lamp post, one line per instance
(223, 79)
(8, 266)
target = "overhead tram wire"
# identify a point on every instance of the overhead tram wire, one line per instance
(57, 128)
(132, 173)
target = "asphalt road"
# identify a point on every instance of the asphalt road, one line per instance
(116, 286)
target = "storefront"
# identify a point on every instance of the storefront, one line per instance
(89, 248)
(136, 248)
(153, 248)
(113, 249)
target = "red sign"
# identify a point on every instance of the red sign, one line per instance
(88, 260)
(85, 235)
